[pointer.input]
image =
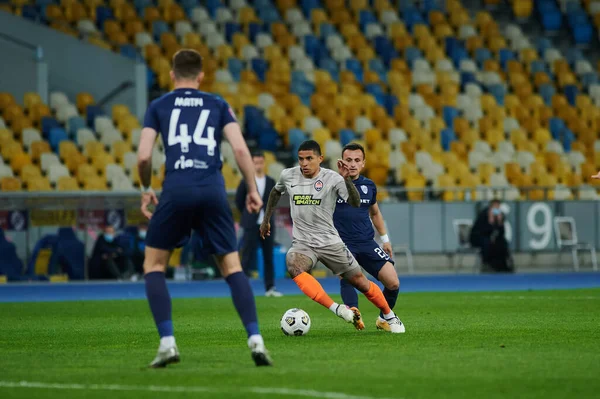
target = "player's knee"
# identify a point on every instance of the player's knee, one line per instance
(297, 264)
(151, 266)
(393, 285)
(357, 279)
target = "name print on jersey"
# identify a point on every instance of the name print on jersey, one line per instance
(188, 102)
(306, 199)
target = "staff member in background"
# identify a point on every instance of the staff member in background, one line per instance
(109, 260)
(251, 222)
(487, 234)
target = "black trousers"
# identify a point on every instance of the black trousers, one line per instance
(252, 241)
(494, 253)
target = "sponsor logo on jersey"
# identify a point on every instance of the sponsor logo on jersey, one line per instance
(364, 189)
(185, 163)
(306, 199)
(188, 102)
(318, 185)
(362, 201)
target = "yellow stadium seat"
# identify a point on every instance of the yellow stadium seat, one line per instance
(6, 99)
(512, 170)
(95, 184)
(415, 185)
(19, 160)
(67, 183)
(485, 171)
(85, 172)
(38, 111)
(38, 148)
(29, 172)
(378, 174)
(39, 184)
(6, 136)
(10, 184)
(30, 99)
(11, 149)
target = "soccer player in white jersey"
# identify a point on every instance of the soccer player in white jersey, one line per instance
(313, 192)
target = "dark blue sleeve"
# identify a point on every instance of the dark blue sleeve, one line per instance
(227, 114)
(374, 200)
(151, 118)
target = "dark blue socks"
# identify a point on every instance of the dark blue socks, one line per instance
(390, 296)
(160, 302)
(243, 300)
(349, 294)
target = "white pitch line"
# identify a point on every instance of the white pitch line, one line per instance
(174, 389)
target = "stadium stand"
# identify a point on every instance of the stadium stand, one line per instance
(439, 98)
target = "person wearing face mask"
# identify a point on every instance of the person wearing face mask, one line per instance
(108, 261)
(137, 253)
(487, 234)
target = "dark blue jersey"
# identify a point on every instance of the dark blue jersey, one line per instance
(354, 224)
(191, 125)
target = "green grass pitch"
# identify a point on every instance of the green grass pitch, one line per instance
(541, 344)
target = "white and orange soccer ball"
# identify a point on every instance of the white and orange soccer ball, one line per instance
(295, 322)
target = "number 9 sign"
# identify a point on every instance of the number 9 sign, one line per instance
(542, 232)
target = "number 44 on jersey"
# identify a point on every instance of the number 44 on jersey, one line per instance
(178, 133)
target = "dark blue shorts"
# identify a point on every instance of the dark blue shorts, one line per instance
(204, 209)
(370, 256)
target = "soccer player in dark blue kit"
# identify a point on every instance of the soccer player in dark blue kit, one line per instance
(356, 230)
(193, 197)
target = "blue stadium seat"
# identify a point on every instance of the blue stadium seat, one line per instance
(549, 14)
(48, 123)
(499, 92)
(327, 29)
(254, 28)
(235, 67)
(354, 65)
(57, 134)
(547, 91)
(158, 28)
(308, 5)
(556, 127)
(91, 112)
(259, 66)
(230, 29)
(296, 137)
(449, 114)
(390, 103)
(212, 6)
(447, 137)
(571, 92)
(376, 91)
(347, 136)
(269, 140)
(506, 55)
(75, 123)
(482, 55)
(567, 139)
(103, 13)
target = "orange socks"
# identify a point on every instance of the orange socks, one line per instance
(376, 297)
(312, 289)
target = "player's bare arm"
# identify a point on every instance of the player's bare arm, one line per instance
(596, 176)
(353, 194)
(379, 223)
(297, 263)
(265, 227)
(147, 139)
(233, 133)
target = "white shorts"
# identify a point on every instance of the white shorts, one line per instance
(336, 257)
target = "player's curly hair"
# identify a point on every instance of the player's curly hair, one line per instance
(187, 64)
